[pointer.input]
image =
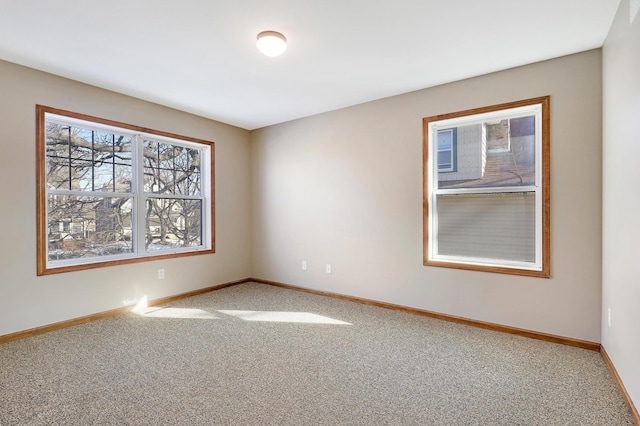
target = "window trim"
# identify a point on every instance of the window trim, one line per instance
(208, 246)
(543, 221)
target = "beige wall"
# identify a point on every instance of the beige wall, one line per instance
(28, 301)
(345, 188)
(621, 203)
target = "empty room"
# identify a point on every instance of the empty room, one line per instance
(319, 213)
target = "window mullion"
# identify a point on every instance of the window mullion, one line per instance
(93, 161)
(539, 192)
(486, 190)
(70, 174)
(176, 197)
(139, 231)
(206, 187)
(89, 193)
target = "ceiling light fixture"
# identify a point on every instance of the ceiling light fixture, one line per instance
(271, 43)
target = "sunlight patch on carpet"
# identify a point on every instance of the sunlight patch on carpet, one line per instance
(274, 316)
(186, 313)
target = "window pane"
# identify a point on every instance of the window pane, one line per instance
(81, 227)
(82, 159)
(122, 149)
(493, 226)
(173, 223)
(122, 163)
(444, 160)
(103, 179)
(494, 154)
(498, 136)
(150, 154)
(150, 179)
(57, 173)
(57, 153)
(445, 140)
(171, 169)
(166, 182)
(166, 155)
(123, 178)
(187, 182)
(194, 168)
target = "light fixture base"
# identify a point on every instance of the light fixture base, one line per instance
(271, 43)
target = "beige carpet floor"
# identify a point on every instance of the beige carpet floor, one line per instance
(254, 354)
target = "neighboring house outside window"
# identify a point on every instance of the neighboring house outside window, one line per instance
(111, 193)
(491, 212)
(446, 150)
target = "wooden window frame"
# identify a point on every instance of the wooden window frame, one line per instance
(43, 268)
(544, 270)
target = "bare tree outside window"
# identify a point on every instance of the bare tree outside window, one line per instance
(80, 161)
(171, 171)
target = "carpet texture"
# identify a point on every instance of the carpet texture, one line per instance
(254, 354)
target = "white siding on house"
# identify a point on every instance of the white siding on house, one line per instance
(470, 154)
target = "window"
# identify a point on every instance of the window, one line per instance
(111, 193)
(446, 155)
(489, 212)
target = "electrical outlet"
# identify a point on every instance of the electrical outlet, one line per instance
(161, 274)
(304, 265)
(328, 269)
(609, 316)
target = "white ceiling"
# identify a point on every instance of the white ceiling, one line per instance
(199, 56)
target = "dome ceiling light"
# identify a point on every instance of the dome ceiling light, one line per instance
(271, 43)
